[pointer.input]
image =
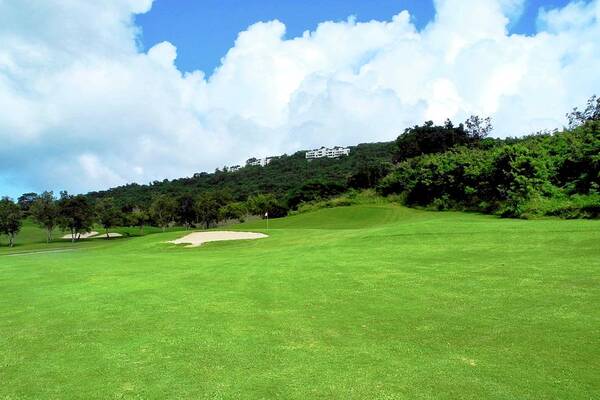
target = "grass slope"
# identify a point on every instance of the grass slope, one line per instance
(362, 302)
(32, 238)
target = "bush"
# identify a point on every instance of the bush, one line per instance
(547, 174)
(349, 199)
(266, 203)
(430, 138)
(313, 191)
(569, 207)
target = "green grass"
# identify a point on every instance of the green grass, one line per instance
(361, 302)
(32, 238)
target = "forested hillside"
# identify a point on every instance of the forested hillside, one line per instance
(285, 177)
(548, 174)
(443, 167)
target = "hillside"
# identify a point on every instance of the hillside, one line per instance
(439, 167)
(281, 176)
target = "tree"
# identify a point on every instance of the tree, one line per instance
(223, 197)
(590, 113)
(478, 128)
(76, 214)
(163, 210)
(186, 211)
(430, 138)
(139, 217)
(108, 214)
(25, 201)
(516, 175)
(310, 191)
(262, 204)
(233, 211)
(207, 209)
(44, 211)
(10, 219)
(368, 173)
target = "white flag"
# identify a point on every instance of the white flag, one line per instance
(266, 215)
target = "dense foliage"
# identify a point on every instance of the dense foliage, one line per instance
(108, 214)
(430, 138)
(545, 174)
(285, 177)
(10, 219)
(45, 212)
(76, 214)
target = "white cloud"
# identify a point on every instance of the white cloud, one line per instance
(576, 15)
(82, 108)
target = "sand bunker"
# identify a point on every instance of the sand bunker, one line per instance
(93, 235)
(110, 235)
(81, 236)
(197, 238)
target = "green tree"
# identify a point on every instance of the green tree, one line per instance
(163, 210)
(139, 217)
(76, 214)
(25, 201)
(263, 204)
(186, 210)
(207, 209)
(478, 128)
(44, 211)
(233, 211)
(310, 191)
(368, 173)
(108, 214)
(590, 113)
(430, 138)
(10, 219)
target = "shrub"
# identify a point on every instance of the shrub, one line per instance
(509, 178)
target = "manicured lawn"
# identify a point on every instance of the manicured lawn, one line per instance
(32, 238)
(363, 302)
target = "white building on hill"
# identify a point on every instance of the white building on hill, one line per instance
(323, 152)
(260, 162)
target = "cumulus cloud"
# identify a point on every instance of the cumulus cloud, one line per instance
(82, 108)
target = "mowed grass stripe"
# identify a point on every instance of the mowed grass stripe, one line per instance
(353, 302)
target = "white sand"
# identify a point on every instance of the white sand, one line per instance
(197, 238)
(82, 236)
(110, 235)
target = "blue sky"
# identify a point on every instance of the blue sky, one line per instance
(92, 101)
(203, 31)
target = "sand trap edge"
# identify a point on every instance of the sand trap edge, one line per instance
(196, 239)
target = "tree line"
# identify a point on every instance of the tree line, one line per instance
(78, 214)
